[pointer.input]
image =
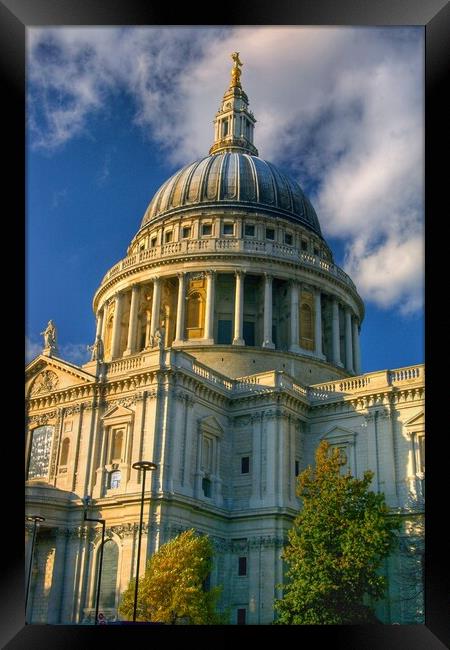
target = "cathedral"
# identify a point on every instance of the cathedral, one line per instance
(226, 348)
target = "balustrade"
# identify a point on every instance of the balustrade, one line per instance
(271, 249)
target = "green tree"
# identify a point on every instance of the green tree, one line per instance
(336, 546)
(172, 589)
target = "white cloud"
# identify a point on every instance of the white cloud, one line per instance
(76, 353)
(340, 108)
(32, 349)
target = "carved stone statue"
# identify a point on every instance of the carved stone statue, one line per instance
(97, 349)
(49, 335)
(236, 70)
(158, 340)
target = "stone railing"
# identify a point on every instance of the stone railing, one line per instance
(362, 383)
(272, 379)
(406, 374)
(213, 377)
(257, 382)
(121, 366)
(246, 246)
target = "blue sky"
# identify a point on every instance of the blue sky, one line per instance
(113, 112)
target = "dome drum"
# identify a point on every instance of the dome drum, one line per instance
(237, 306)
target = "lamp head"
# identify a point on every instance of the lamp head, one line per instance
(144, 465)
(36, 518)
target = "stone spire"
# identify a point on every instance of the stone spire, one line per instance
(234, 123)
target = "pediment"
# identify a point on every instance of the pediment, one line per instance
(210, 423)
(46, 375)
(118, 412)
(338, 433)
(416, 420)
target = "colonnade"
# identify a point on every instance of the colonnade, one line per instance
(351, 324)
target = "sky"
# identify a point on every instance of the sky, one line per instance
(113, 112)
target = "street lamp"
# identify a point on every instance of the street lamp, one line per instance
(86, 502)
(36, 519)
(141, 466)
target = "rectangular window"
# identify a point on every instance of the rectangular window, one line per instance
(153, 242)
(288, 238)
(186, 232)
(168, 236)
(114, 479)
(316, 251)
(270, 233)
(297, 467)
(207, 583)
(224, 332)
(245, 464)
(228, 228)
(206, 487)
(249, 230)
(242, 566)
(241, 616)
(248, 332)
(304, 245)
(41, 444)
(206, 229)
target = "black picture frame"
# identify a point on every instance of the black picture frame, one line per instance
(434, 15)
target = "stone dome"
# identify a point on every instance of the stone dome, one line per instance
(235, 180)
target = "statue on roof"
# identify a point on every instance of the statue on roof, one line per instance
(236, 70)
(97, 349)
(49, 335)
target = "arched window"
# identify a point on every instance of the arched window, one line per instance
(116, 444)
(64, 451)
(41, 445)
(109, 575)
(195, 315)
(193, 311)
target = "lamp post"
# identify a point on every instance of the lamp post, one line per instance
(141, 466)
(35, 519)
(86, 502)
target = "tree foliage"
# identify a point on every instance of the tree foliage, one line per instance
(337, 543)
(172, 589)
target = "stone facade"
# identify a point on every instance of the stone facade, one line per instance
(227, 348)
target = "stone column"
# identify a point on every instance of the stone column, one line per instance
(179, 335)
(209, 311)
(257, 435)
(318, 323)
(348, 340)
(336, 334)
(356, 348)
(132, 324)
(239, 309)
(115, 344)
(100, 316)
(156, 300)
(295, 338)
(104, 322)
(267, 340)
(59, 538)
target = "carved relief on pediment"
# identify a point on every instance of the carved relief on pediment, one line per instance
(45, 382)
